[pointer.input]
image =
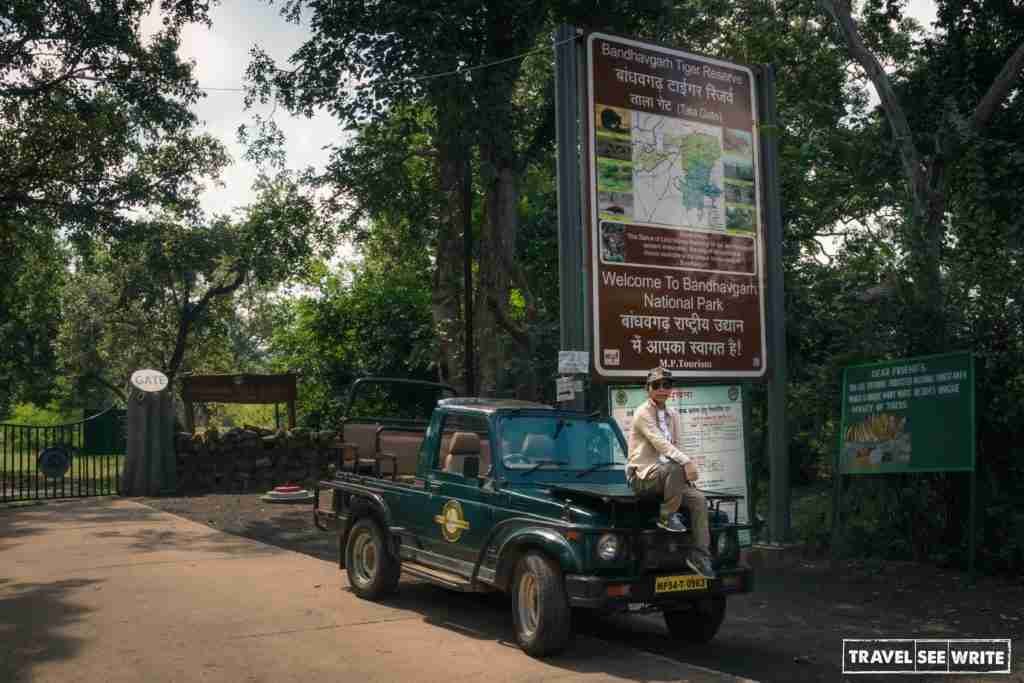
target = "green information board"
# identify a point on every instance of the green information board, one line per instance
(911, 415)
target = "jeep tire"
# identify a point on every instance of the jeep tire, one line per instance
(540, 608)
(700, 623)
(372, 569)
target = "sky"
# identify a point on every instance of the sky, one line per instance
(221, 54)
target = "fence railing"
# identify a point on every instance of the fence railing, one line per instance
(24, 477)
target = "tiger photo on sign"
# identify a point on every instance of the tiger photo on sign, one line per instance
(879, 439)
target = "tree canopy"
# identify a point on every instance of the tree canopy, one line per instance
(94, 120)
(162, 285)
(95, 123)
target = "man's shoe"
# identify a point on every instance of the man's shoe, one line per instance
(672, 523)
(701, 564)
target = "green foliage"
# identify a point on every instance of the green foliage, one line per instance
(95, 123)
(33, 265)
(375, 321)
(33, 414)
(538, 311)
(224, 416)
(92, 119)
(160, 295)
(394, 400)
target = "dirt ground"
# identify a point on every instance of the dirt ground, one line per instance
(789, 629)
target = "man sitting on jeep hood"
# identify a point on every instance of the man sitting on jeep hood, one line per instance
(657, 466)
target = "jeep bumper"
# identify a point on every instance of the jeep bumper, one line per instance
(632, 594)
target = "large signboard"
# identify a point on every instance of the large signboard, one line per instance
(676, 242)
(911, 415)
(712, 435)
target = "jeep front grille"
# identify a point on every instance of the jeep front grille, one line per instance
(657, 550)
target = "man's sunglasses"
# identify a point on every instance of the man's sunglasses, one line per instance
(662, 384)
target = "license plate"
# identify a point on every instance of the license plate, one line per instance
(675, 584)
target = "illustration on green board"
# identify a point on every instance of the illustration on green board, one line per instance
(879, 439)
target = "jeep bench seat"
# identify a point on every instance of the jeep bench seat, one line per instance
(359, 439)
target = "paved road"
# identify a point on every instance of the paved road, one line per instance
(111, 590)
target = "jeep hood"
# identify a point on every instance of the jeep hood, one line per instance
(618, 492)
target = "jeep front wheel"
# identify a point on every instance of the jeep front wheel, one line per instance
(540, 608)
(699, 624)
(372, 570)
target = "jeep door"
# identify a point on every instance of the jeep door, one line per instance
(461, 514)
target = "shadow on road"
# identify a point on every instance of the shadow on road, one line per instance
(488, 617)
(32, 618)
(282, 525)
(20, 521)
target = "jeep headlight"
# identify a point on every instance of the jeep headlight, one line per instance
(727, 546)
(608, 547)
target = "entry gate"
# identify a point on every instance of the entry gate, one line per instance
(73, 460)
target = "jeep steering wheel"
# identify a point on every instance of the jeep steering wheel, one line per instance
(597, 450)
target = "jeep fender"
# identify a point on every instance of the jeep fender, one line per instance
(547, 540)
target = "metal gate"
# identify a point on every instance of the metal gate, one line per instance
(72, 460)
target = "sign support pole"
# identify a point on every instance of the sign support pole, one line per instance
(570, 225)
(837, 505)
(778, 452)
(972, 515)
(837, 482)
(748, 441)
(972, 524)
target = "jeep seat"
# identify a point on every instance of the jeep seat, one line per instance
(463, 445)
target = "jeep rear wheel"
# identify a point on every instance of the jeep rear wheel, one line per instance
(372, 570)
(540, 608)
(700, 623)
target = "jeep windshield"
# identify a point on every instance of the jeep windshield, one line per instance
(534, 443)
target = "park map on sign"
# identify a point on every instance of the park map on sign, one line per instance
(665, 171)
(677, 172)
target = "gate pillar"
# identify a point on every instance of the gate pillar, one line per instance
(149, 468)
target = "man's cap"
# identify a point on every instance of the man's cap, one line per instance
(657, 374)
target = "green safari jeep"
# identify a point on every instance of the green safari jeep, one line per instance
(519, 497)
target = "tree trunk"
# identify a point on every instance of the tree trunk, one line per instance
(497, 251)
(446, 297)
(930, 232)
(509, 33)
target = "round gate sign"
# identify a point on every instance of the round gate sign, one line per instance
(149, 380)
(54, 461)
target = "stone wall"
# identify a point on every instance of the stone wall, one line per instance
(251, 459)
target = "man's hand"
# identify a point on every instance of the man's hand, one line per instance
(691, 471)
